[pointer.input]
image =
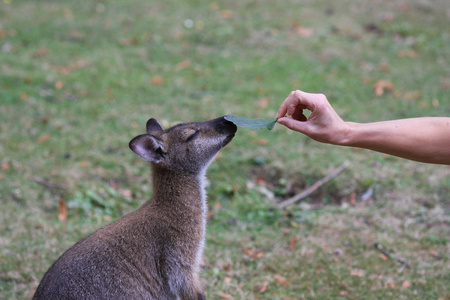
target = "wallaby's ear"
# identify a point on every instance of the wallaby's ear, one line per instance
(153, 126)
(148, 147)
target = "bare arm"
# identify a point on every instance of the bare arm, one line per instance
(421, 139)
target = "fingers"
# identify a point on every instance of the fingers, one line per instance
(297, 100)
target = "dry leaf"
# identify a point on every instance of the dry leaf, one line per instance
(406, 284)
(352, 199)
(293, 242)
(226, 268)
(435, 254)
(304, 31)
(210, 214)
(62, 216)
(127, 193)
(43, 138)
(59, 85)
(183, 65)
(260, 142)
(5, 166)
(408, 53)
(383, 257)
(227, 280)
(263, 103)
(41, 52)
(225, 296)
(343, 293)
(253, 254)
(214, 6)
(381, 86)
(261, 288)
(157, 80)
(357, 273)
(226, 14)
(281, 280)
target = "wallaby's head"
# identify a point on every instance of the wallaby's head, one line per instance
(186, 147)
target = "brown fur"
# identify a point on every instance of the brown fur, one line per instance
(154, 252)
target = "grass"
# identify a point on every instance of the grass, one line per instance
(79, 80)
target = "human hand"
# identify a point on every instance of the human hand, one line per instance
(323, 125)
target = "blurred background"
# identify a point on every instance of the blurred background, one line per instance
(79, 79)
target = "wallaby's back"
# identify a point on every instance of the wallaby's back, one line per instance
(154, 252)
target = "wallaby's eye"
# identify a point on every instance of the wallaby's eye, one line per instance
(192, 136)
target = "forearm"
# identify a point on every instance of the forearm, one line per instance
(419, 139)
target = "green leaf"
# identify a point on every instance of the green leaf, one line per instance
(252, 123)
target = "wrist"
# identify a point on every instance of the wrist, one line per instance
(346, 135)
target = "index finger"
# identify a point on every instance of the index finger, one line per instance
(296, 100)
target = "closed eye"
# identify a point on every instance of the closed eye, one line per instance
(192, 136)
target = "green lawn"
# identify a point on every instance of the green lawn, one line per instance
(79, 79)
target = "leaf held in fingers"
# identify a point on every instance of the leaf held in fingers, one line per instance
(252, 123)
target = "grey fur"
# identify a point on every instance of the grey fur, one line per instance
(154, 252)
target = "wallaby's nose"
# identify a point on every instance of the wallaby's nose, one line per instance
(224, 125)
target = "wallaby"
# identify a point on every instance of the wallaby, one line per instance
(154, 252)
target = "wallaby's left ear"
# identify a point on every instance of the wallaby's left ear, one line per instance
(148, 147)
(153, 126)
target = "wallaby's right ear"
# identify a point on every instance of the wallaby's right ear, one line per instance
(153, 126)
(148, 147)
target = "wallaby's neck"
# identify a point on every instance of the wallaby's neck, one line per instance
(177, 187)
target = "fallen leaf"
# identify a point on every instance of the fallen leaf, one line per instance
(226, 268)
(381, 86)
(225, 296)
(435, 254)
(5, 166)
(226, 14)
(127, 193)
(59, 85)
(43, 138)
(281, 280)
(383, 257)
(253, 254)
(157, 80)
(183, 65)
(62, 216)
(210, 214)
(41, 52)
(260, 142)
(261, 287)
(435, 103)
(214, 6)
(357, 273)
(352, 199)
(343, 293)
(412, 95)
(227, 280)
(304, 31)
(293, 242)
(406, 284)
(263, 103)
(408, 53)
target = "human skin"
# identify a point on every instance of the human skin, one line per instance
(424, 139)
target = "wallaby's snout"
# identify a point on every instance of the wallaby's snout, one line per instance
(225, 126)
(154, 252)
